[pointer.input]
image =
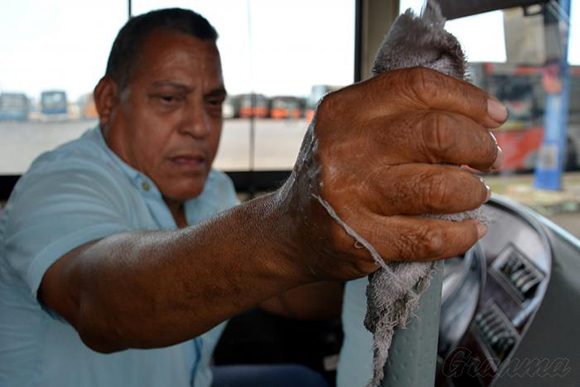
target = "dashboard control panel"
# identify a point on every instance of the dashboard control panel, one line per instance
(513, 273)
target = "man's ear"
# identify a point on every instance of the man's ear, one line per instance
(106, 97)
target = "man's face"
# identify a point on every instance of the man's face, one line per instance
(167, 122)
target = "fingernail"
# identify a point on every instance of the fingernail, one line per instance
(488, 195)
(497, 110)
(498, 160)
(481, 230)
(487, 189)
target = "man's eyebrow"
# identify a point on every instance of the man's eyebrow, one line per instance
(217, 92)
(175, 85)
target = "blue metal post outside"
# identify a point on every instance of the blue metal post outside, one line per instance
(552, 153)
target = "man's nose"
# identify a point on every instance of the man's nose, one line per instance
(195, 122)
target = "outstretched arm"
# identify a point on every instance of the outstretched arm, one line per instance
(153, 289)
(377, 152)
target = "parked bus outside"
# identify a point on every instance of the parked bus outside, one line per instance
(254, 105)
(54, 104)
(521, 89)
(14, 107)
(282, 107)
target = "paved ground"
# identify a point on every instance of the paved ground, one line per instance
(276, 143)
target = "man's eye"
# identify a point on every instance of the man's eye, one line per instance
(216, 101)
(168, 98)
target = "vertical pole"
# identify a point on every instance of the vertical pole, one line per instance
(552, 153)
(253, 99)
(412, 360)
(129, 9)
(358, 40)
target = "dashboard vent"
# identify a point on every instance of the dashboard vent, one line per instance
(496, 331)
(519, 273)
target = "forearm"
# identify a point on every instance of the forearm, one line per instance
(154, 289)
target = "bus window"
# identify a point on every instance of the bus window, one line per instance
(53, 54)
(264, 53)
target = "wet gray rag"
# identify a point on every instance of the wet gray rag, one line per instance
(394, 289)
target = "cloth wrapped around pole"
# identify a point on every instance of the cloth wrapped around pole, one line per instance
(395, 290)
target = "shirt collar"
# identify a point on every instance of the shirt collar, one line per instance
(141, 181)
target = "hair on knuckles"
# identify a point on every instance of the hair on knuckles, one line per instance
(127, 45)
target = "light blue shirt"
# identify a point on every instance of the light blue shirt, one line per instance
(75, 194)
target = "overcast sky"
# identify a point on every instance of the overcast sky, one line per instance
(291, 45)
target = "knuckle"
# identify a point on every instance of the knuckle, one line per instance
(424, 83)
(433, 243)
(437, 133)
(422, 242)
(328, 106)
(364, 265)
(437, 194)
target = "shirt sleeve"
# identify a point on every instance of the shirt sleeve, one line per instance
(56, 209)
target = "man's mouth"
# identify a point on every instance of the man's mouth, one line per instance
(190, 161)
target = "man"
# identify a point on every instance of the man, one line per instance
(112, 244)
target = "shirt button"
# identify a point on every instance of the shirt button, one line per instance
(146, 186)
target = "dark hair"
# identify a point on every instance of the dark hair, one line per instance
(127, 44)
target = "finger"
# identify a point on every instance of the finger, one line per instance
(402, 238)
(442, 92)
(438, 137)
(423, 188)
(422, 88)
